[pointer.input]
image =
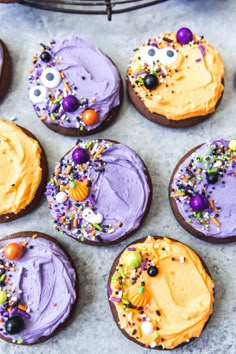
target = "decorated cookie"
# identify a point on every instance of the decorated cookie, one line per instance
(75, 88)
(38, 288)
(5, 69)
(160, 293)
(176, 79)
(99, 193)
(202, 191)
(23, 172)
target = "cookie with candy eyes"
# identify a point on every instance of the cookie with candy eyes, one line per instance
(176, 79)
(5, 69)
(23, 172)
(38, 288)
(202, 191)
(75, 89)
(160, 293)
(99, 192)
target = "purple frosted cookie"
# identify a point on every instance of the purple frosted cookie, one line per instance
(99, 193)
(75, 89)
(5, 69)
(202, 191)
(38, 287)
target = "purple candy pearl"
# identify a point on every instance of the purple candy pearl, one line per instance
(70, 103)
(199, 202)
(184, 35)
(80, 155)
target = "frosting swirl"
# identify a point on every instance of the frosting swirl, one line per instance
(190, 76)
(180, 294)
(20, 173)
(44, 282)
(210, 172)
(77, 69)
(114, 191)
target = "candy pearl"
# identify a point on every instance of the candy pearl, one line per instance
(61, 197)
(212, 178)
(89, 117)
(197, 203)
(136, 67)
(153, 271)
(150, 81)
(13, 251)
(14, 325)
(184, 35)
(45, 57)
(232, 145)
(147, 328)
(3, 296)
(80, 155)
(70, 103)
(205, 201)
(133, 259)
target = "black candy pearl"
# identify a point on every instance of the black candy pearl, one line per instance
(45, 56)
(152, 271)
(14, 325)
(212, 178)
(150, 81)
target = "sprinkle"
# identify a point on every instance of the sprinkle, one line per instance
(34, 236)
(215, 220)
(22, 307)
(122, 272)
(20, 341)
(67, 87)
(143, 265)
(198, 60)
(97, 226)
(156, 335)
(202, 49)
(126, 302)
(43, 117)
(131, 249)
(115, 299)
(179, 194)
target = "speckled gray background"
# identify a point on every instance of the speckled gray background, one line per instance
(93, 329)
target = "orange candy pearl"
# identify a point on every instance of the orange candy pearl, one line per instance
(90, 117)
(13, 251)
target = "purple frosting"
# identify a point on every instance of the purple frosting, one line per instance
(44, 280)
(90, 75)
(118, 190)
(211, 158)
(1, 58)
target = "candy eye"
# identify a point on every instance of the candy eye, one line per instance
(208, 159)
(168, 56)
(50, 77)
(38, 94)
(149, 55)
(198, 159)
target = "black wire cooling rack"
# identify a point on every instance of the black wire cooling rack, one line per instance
(92, 7)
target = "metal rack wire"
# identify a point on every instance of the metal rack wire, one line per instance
(92, 7)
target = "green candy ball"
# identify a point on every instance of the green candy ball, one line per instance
(133, 259)
(232, 145)
(136, 67)
(3, 296)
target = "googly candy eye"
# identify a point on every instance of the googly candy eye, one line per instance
(149, 55)
(38, 94)
(167, 56)
(50, 77)
(208, 159)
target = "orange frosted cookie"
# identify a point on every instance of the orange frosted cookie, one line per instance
(176, 79)
(23, 172)
(160, 293)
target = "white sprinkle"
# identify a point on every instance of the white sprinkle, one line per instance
(153, 345)
(13, 118)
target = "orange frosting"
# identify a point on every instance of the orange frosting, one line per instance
(20, 173)
(189, 86)
(178, 300)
